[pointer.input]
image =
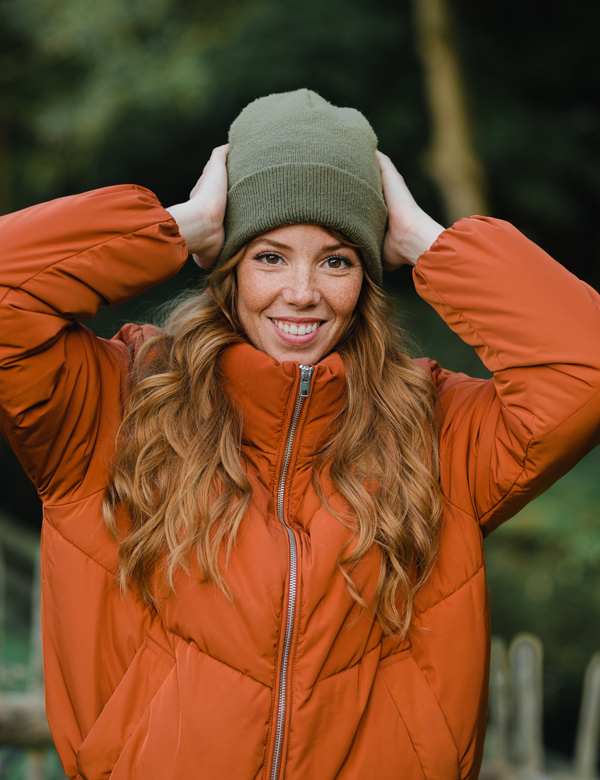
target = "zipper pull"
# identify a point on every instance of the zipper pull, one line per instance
(305, 377)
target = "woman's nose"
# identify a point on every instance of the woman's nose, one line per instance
(301, 289)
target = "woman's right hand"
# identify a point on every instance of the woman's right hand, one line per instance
(411, 231)
(200, 219)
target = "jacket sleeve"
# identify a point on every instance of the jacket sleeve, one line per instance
(537, 328)
(60, 385)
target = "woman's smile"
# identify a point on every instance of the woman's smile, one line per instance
(297, 289)
(296, 331)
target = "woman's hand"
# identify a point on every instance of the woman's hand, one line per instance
(410, 230)
(200, 219)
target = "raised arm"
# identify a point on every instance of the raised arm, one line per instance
(537, 328)
(61, 260)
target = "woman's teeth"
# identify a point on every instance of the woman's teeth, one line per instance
(296, 330)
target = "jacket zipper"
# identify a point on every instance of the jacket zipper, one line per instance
(303, 392)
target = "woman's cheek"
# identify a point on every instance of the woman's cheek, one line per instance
(343, 299)
(254, 290)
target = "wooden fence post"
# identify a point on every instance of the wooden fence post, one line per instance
(499, 707)
(34, 762)
(2, 612)
(588, 730)
(526, 656)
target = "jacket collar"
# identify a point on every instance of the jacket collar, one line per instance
(265, 392)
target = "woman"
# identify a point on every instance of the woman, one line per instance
(295, 518)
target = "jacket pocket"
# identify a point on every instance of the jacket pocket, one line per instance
(118, 720)
(422, 716)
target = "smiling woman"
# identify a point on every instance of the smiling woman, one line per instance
(292, 506)
(297, 291)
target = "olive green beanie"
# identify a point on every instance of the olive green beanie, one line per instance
(295, 158)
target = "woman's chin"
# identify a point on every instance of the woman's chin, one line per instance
(306, 355)
(305, 349)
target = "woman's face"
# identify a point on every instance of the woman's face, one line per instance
(297, 289)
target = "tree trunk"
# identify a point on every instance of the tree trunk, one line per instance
(452, 159)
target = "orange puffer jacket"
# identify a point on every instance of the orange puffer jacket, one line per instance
(290, 680)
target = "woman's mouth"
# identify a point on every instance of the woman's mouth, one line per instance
(296, 332)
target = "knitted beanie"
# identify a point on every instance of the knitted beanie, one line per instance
(295, 158)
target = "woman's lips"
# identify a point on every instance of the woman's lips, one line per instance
(285, 330)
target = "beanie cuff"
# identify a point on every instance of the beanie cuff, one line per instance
(307, 193)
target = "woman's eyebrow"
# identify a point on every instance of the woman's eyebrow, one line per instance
(324, 248)
(333, 247)
(270, 242)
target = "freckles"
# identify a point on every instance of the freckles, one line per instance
(253, 289)
(344, 298)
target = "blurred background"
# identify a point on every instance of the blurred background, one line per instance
(484, 107)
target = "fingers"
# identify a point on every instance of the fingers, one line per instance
(215, 162)
(390, 175)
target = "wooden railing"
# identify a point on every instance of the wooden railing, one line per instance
(514, 748)
(514, 745)
(23, 723)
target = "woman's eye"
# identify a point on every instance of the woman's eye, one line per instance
(270, 258)
(337, 262)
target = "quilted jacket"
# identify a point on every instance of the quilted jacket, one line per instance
(290, 680)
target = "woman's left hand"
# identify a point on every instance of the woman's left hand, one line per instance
(410, 230)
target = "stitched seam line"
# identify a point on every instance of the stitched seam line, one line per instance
(88, 249)
(161, 654)
(532, 442)
(347, 669)
(440, 709)
(460, 587)
(462, 317)
(135, 730)
(508, 492)
(406, 653)
(462, 510)
(208, 655)
(75, 500)
(417, 756)
(83, 552)
(562, 422)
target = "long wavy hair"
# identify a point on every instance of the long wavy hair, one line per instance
(179, 475)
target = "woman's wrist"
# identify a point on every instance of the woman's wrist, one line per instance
(420, 238)
(405, 243)
(188, 224)
(197, 227)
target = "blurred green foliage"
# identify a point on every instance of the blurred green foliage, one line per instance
(98, 93)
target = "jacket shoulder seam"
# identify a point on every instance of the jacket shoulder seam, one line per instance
(509, 491)
(562, 422)
(482, 341)
(463, 318)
